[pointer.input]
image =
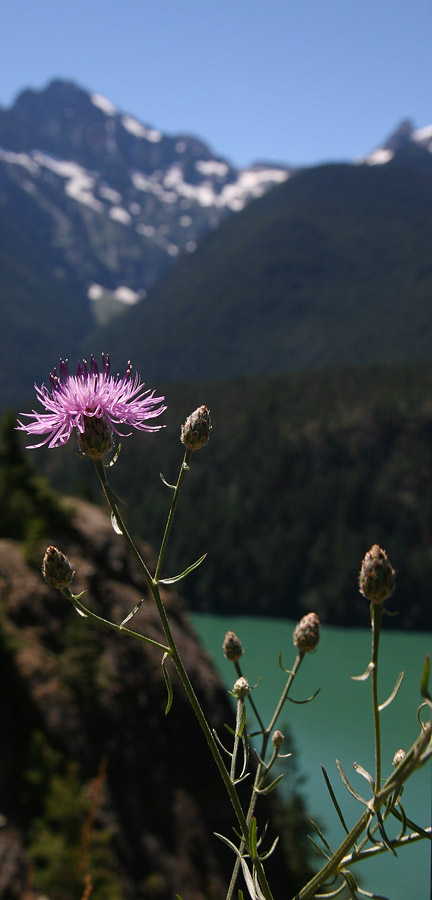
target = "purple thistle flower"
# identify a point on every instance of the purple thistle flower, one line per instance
(73, 400)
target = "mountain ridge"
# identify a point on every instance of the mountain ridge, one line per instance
(96, 208)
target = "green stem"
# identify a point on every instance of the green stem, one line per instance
(298, 661)
(112, 503)
(240, 705)
(259, 775)
(101, 621)
(381, 848)
(376, 616)
(250, 699)
(182, 473)
(175, 655)
(333, 864)
(412, 761)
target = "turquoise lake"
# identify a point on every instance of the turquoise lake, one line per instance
(338, 725)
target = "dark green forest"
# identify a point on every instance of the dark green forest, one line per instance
(331, 267)
(301, 475)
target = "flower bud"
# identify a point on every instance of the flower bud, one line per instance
(277, 739)
(232, 647)
(307, 633)
(56, 568)
(96, 440)
(196, 430)
(377, 577)
(398, 757)
(241, 688)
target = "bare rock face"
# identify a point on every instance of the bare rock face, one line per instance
(99, 698)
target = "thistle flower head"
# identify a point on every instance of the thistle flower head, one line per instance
(377, 578)
(307, 633)
(232, 646)
(278, 738)
(72, 401)
(241, 688)
(56, 568)
(196, 430)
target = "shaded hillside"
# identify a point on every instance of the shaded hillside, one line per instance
(93, 777)
(301, 475)
(331, 267)
(43, 313)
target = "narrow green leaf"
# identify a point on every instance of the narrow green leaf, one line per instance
(183, 574)
(168, 684)
(324, 840)
(332, 893)
(424, 682)
(115, 524)
(287, 671)
(365, 675)
(265, 856)
(115, 458)
(382, 831)
(258, 892)
(349, 786)
(361, 771)
(371, 829)
(218, 741)
(228, 727)
(371, 896)
(166, 483)
(248, 879)
(80, 612)
(78, 596)
(227, 842)
(114, 499)
(253, 837)
(245, 748)
(241, 778)
(270, 787)
(317, 847)
(393, 693)
(133, 613)
(242, 721)
(351, 882)
(240, 895)
(300, 702)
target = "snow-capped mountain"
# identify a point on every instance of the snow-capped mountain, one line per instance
(119, 199)
(405, 139)
(96, 206)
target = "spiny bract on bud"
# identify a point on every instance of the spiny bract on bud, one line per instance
(196, 430)
(56, 568)
(241, 688)
(232, 647)
(377, 579)
(277, 739)
(96, 440)
(307, 633)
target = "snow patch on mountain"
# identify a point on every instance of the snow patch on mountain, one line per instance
(140, 131)
(104, 104)
(119, 214)
(212, 167)
(378, 157)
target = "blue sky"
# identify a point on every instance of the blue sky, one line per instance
(298, 81)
